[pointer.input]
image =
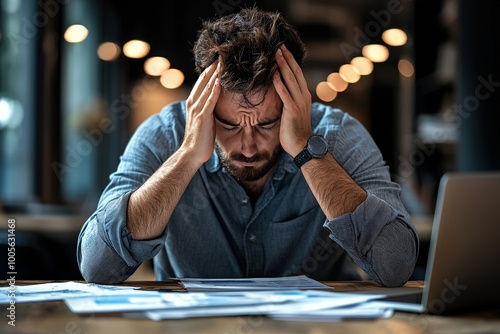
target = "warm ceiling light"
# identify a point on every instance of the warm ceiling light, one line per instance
(377, 53)
(155, 66)
(363, 65)
(325, 91)
(136, 49)
(108, 51)
(337, 82)
(172, 78)
(394, 37)
(349, 73)
(76, 33)
(405, 67)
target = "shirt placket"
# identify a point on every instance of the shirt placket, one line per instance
(254, 237)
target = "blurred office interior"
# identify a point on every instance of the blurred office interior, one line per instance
(422, 76)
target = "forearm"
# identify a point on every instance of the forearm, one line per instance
(106, 253)
(151, 205)
(336, 192)
(377, 237)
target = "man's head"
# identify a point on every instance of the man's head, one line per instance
(248, 110)
(245, 43)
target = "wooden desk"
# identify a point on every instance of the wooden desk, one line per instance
(54, 317)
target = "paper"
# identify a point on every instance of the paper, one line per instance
(274, 283)
(179, 301)
(59, 291)
(359, 311)
(230, 298)
(292, 303)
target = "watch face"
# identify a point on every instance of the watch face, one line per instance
(317, 146)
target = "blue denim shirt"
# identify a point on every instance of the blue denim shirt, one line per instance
(215, 231)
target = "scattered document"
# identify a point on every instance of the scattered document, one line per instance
(174, 301)
(278, 304)
(60, 291)
(234, 284)
(358, 311)
(287, 298)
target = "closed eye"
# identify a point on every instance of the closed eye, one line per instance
(269, 125)
(230, 128)
(226, 125)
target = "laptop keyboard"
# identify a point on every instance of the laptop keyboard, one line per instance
(414, 298)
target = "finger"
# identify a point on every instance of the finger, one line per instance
(295, 68)
(282, 90)
(285, 69)
(288, 76)
(206, 98)
(213, 97)
(202, 81)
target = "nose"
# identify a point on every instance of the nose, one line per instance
(248, 143)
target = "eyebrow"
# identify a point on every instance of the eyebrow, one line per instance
(226, 122)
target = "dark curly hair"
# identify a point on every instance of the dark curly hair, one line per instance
(246, 43)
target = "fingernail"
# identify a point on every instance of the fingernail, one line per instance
(283, 46)
(279, 52)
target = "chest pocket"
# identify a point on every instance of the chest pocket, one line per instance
(298, 232)
(293, 240)
(294, 206)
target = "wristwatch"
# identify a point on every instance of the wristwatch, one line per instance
(316, 148)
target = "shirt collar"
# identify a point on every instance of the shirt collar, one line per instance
(213, 164)
(284, 164)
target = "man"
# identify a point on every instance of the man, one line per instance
(248, 178)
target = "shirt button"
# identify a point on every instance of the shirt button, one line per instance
(252, 238)
(244, 201)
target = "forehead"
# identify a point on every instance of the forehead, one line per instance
(229, 105)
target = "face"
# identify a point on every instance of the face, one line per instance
(247, 138)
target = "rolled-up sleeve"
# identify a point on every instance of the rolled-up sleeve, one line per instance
(379, 235)
(378, 239)
(106, 251)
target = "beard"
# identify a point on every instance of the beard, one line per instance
(248, 173)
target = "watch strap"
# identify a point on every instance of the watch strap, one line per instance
(303, 157)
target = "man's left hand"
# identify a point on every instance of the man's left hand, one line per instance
(295, 128)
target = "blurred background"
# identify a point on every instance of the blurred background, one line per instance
(78, 76)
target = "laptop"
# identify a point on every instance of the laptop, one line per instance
(463, 268)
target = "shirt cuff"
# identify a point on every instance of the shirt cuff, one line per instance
(113, 218)
(356, 232)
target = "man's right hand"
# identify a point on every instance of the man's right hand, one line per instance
(151, 205)
(199, 135)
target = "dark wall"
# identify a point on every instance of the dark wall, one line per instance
(479, 86)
